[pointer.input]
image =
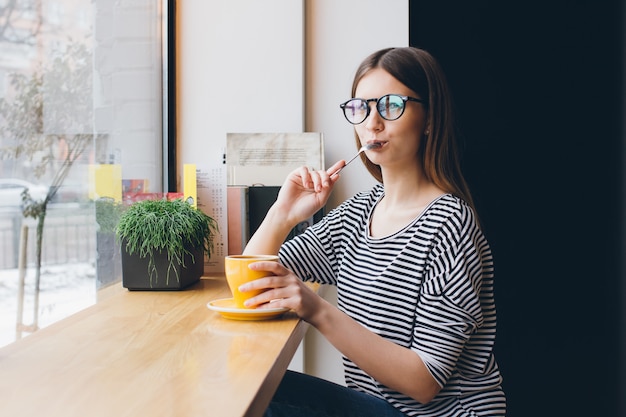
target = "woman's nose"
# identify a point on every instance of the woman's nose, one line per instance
(374, 121)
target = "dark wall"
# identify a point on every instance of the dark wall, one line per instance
(539, 90)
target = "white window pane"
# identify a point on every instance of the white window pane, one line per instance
(80, 113)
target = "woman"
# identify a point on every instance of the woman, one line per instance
(416, 319)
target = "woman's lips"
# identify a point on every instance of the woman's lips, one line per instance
(377, 144)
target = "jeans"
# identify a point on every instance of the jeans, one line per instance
(300, 395)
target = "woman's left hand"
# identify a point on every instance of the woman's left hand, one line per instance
(283, 289)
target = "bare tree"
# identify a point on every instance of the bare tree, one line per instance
(49, 123)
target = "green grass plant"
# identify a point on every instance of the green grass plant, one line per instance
(153, 226)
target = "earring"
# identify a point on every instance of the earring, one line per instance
(427, 132)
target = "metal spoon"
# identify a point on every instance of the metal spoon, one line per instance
(364, 148)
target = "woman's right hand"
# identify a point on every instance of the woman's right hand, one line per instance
(305, 191)
(301, 196)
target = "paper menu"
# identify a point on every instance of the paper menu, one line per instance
(211, 185)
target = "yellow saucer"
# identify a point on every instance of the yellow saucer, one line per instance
(227, 308)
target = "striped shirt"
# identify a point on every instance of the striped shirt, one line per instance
(427, 287)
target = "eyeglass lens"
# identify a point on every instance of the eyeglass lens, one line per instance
(390, 107)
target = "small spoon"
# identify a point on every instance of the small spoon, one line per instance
(364, 148)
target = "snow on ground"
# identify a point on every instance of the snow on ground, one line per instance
(64, 290)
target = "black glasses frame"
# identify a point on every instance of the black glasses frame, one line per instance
(377, 100)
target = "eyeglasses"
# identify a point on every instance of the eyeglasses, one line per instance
(390, 107)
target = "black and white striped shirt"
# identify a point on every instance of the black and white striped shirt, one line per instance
(428, 287)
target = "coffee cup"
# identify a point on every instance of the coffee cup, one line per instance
(237, 273)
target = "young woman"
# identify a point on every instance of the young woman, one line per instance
(416, 318)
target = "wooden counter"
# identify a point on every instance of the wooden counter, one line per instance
(152, 354)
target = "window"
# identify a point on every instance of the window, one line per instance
(81, 118)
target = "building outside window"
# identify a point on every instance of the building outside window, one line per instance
(81, 104)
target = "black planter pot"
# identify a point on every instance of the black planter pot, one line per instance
(136, 276)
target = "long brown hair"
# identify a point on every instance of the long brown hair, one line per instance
(420, 72)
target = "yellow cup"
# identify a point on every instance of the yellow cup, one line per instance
(238, 273)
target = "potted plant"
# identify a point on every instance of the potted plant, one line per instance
(163, 244)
